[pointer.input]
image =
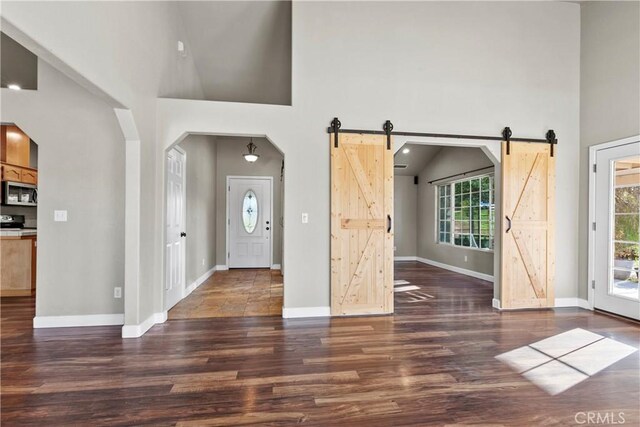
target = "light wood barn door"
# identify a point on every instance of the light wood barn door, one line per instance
(528, 241)
(361, 225)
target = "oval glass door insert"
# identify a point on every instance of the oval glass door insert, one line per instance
(250, 211)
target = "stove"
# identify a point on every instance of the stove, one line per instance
(11, 221)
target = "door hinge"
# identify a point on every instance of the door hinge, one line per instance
(593, 226)
(593, 284)
(595, 168)
(228, 221)
(229, 189)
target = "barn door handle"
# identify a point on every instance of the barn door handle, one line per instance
(388, 223)
(509, 224)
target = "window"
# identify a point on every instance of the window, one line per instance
(467, 212)
(250, 211)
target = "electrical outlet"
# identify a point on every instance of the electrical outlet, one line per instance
(117, 292)
(202, 261)
(465, 258)
(305, 218)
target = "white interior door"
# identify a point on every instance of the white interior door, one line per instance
(617, 241)
(249, 222)
(175, 228)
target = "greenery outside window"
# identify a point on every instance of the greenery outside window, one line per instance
(466, 212)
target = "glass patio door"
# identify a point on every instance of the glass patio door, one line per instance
(617, 236)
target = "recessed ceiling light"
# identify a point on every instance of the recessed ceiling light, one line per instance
(14, 86)
(405, 151)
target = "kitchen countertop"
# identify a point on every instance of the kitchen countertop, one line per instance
(18, 232)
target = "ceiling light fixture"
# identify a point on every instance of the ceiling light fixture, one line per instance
(251, 156)
(405, 151)
(14, 86)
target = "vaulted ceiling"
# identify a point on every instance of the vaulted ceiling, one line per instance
(241, 49)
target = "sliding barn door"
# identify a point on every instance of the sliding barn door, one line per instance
(528, 209)
(361, 225)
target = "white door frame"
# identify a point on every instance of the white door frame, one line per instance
(164, 234)
(593, 152)
(226, 223)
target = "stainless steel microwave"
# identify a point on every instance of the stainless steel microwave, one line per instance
(19, 194)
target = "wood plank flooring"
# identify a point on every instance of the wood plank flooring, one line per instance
(432, 363)
(234, 293)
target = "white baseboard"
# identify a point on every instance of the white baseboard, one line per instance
(460, 270)
(275, 267)
(136, 331)
(495, 303)
(78, 320)
(199, 281)
(291, 313)
(221, 268)
(160, 317)
(573, 302)
(405, 258)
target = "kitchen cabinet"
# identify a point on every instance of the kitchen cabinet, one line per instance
(17, 265)
(17, 174)
(29, 176)
(15, 156)
(11, 173)
(15, 146)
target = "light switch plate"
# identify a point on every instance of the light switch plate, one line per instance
(305, 218)
(60, 216)
(117, 292)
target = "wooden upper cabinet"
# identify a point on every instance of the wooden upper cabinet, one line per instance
(11, 173)
(29, 176)
(16, 146)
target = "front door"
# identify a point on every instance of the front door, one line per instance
(361, 225)
(249, 222)
(528, 241)
(175, 234)
(617, 235)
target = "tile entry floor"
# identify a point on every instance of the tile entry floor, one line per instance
(234, 293)
(557, 363)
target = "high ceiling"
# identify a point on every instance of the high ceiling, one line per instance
(241, 49)
(416, 159)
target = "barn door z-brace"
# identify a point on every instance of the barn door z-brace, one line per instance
(387, 129)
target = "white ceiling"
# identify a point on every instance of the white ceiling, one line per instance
(416, 159)
(241, 49)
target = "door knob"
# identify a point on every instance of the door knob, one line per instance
(183, 234)
(267, 228)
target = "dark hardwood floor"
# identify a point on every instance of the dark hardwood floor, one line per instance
(432, 363)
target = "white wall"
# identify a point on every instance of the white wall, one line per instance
(473, 68)
(81, 170)
(448, 161)
(405, 214)
(201, 205)
(609, 91)
(463, 67)
(231, 162)
(103, 46)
